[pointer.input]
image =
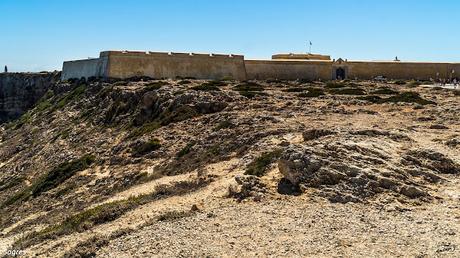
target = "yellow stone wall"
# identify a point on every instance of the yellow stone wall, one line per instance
(288, 70)
(172, 65)
(126, 64)
(401, 70)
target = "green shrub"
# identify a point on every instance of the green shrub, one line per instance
(73, 95)
(10, 182)
(249, 86)
(205, 87)
(400, 82)
(98, 215)
(250, 89)
(60, 174)
(384, 91)
(224, 125)
(107, 212)
(174, 215)
(65, 134)
(210, 86)
(147, 147)
(52, 179)
(405, 97)
(186, 150)
(155, 85)
(335, 85)
(409, 97)
(43, 105)
(259, 166)
(179, 114)
(144, 129)
(184, 82)
(214, 150)
(167, 117)
(347, 91)
(24, 119)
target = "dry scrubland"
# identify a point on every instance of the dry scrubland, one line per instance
(206, 168)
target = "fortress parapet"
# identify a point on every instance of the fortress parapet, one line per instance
(308, 56)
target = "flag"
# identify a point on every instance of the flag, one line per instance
(311, 43)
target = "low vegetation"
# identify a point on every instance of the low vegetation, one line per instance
(184, 82)
(72, 96)
(155, 85)
(259, 166)
(24, 119)
(335, 85)
(347, 91)
(210, 86)
(186, 150)
(10, 183)
(384, 91)
(88, 248)
(249, 86)
(405, 97)
(143, 129)
(167, 117)
(107, 212)
(249, 89)
(146, 147)
(52, 179)
(179, 114)
(400, 82)
(312, 93)
(174, 215)
(225, 124)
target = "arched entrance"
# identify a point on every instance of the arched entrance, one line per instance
(340, 74)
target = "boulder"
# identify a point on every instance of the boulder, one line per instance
(296, 164)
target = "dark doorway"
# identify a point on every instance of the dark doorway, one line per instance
(340, 74)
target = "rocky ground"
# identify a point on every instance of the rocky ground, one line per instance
(186, 168)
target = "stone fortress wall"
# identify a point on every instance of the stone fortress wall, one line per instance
(288, 69)
(402, 70)
(126, 64)
(95, 67)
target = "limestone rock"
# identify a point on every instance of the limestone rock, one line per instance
(19, 92)
(248, 187)
(315, 134)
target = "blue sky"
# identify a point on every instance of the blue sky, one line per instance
(39, 34)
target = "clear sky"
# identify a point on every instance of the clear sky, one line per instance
(38, 35)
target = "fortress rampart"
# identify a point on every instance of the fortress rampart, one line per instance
(402, 70)
(126, 64)
(288, 69)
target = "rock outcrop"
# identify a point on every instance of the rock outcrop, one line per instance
(20, 91)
